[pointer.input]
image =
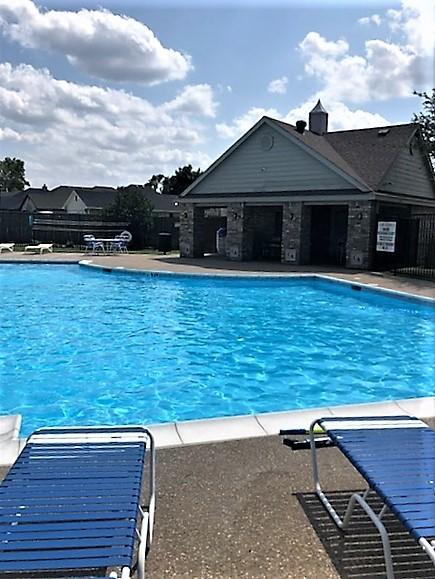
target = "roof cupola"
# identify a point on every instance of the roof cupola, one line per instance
(319, 119)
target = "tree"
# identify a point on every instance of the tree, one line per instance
(130, 205)
(426, 120)
(175, 184)
(156, 182)
(12, 175)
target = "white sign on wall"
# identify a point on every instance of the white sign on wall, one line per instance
(386, 238)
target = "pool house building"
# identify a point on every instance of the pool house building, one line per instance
(304, 195)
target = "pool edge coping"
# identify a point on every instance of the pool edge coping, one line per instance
(224, 429)
(370, 287)
(204, 431)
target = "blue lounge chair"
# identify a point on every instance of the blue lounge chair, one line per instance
(396, 456)
(72, 501)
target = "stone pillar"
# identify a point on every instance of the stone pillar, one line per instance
(239, 239)
(191, 231)
(361, 224)
(295, 233)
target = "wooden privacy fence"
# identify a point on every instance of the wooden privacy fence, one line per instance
(69, 228)
(15, 227)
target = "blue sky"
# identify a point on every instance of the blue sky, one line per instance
(111, 92)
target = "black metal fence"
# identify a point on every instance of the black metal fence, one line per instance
(414, 252)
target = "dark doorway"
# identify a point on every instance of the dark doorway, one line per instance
(328, 234)
(265, 226)
(214, 219)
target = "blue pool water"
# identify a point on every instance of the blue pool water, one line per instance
(85, 347)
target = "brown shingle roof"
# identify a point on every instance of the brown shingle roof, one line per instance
(365, 154)
(371, 152)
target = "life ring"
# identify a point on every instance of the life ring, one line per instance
(126, 236)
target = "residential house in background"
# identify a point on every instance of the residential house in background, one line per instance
(82, 200)
(61, 209)
(309, 196)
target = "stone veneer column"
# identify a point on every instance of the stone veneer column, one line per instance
(293, 249)
(361, 224)
(191, 231)
(238, 240)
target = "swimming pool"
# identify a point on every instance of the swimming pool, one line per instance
(80, 346)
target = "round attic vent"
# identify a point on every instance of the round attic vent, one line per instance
(266, 142)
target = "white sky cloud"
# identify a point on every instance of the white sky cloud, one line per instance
(386, 70)
(98, 42)
(88, 134)
(373, 19)
(415, 22)
(341, 117)
(241, 124)
(82, 134)
(278, 86)
(197, 99)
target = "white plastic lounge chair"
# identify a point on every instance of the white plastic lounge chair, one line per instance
(71, 502)
(396, 456)
(41, 247)
(8, 246)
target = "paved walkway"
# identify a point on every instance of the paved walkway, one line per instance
(214, 265)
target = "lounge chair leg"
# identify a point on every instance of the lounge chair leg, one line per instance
(152, 490)
(317, 487)
(343, 524)
(429, 548)
(356, 498)
(142, 550)
(382, 512)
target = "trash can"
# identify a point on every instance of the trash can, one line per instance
(221, 235)
(164, 243)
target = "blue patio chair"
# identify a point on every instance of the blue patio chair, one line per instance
(396, 456)
(72, 501)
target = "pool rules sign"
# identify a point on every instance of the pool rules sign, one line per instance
(386, 238)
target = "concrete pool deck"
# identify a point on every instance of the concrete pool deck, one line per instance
(217, 266)
(245, 509)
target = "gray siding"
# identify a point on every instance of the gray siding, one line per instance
(283, 167)
(409, 175)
